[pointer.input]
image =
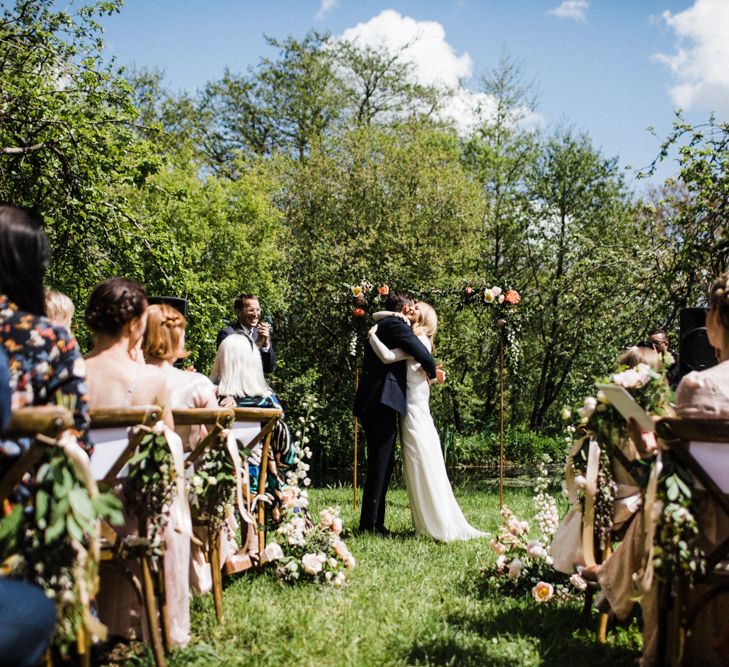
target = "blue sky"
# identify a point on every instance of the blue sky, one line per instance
(594, 61)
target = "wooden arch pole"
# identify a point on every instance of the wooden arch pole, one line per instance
(501, 323)
(356, 425)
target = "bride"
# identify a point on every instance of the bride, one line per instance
(432, 503)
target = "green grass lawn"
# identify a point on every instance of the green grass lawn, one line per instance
(409, 601)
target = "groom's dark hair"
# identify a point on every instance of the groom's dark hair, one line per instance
(396, 301)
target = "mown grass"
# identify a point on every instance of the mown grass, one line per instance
(409, 601)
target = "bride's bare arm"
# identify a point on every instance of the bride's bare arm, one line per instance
(386, 355)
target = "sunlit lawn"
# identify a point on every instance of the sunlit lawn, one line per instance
(409, 601)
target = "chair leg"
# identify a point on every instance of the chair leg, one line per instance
(214, 558)
(150, 608)
(587, 606)
(163, 607)
(83, 647)
(602, 627)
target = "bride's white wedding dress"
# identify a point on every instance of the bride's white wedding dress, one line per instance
(432, 503)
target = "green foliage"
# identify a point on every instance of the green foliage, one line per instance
(522, 447)
(326, 164)
(47, 538)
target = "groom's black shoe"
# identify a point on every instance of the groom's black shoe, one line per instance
(382, 531)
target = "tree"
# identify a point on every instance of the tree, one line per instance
(584, 269)
(67, 137)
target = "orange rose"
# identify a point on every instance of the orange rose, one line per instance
(358, 312)
(512, 297)
(384, 290)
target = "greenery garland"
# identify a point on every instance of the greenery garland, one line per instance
(213, 486)
(150, 487)
(48, 539)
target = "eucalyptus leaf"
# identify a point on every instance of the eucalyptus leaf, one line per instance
(81, 503)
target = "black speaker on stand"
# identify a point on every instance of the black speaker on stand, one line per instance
(695, 351)
(180, 305)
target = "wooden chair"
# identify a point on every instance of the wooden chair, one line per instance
(42, 425)
(702, 447)
(265, 419)
(113, 448)
(625, 469)
(217, 423)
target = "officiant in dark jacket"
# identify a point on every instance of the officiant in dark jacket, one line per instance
(381, 397)
(248, 324)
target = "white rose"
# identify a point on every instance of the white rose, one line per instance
(274, 551)
(535, 550)
(578, 582)
(312, 564)
(515, 568)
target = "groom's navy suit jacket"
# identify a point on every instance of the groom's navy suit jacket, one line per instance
(385, 384)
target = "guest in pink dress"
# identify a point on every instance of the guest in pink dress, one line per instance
(164, 343)
(117, 315)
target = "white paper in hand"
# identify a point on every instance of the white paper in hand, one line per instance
(626, 405)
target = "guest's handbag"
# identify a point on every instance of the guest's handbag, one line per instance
(259, 402)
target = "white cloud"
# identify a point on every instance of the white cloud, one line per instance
(571, 9)
(700, 65)
(434, 60)
(325, 7)
(434, 63)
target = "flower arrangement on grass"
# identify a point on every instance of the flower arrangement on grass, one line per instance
(523, 565)
(303, 550)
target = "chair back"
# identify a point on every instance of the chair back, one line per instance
(113, 444)
(702, 447)
(43, 424)
(216, 420)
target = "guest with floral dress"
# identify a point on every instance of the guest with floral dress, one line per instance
(44, 361)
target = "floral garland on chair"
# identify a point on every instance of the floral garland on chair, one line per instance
(150, 485)
(676, 544)
(51, 538)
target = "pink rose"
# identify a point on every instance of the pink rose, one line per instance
(512, 297)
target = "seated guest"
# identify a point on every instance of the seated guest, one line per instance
(248, 324)
(59, 308)
(4, 390)
(238, 372)
(45, 364)
(164, 343)
(117, 316)
(641, 354)
(705, 395)
(27, 616)
(27, 619)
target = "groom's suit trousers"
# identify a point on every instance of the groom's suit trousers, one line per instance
(380, 427)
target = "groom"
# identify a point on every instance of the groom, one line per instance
(380, 399)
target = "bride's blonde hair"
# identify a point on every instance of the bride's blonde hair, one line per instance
(427, 322)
